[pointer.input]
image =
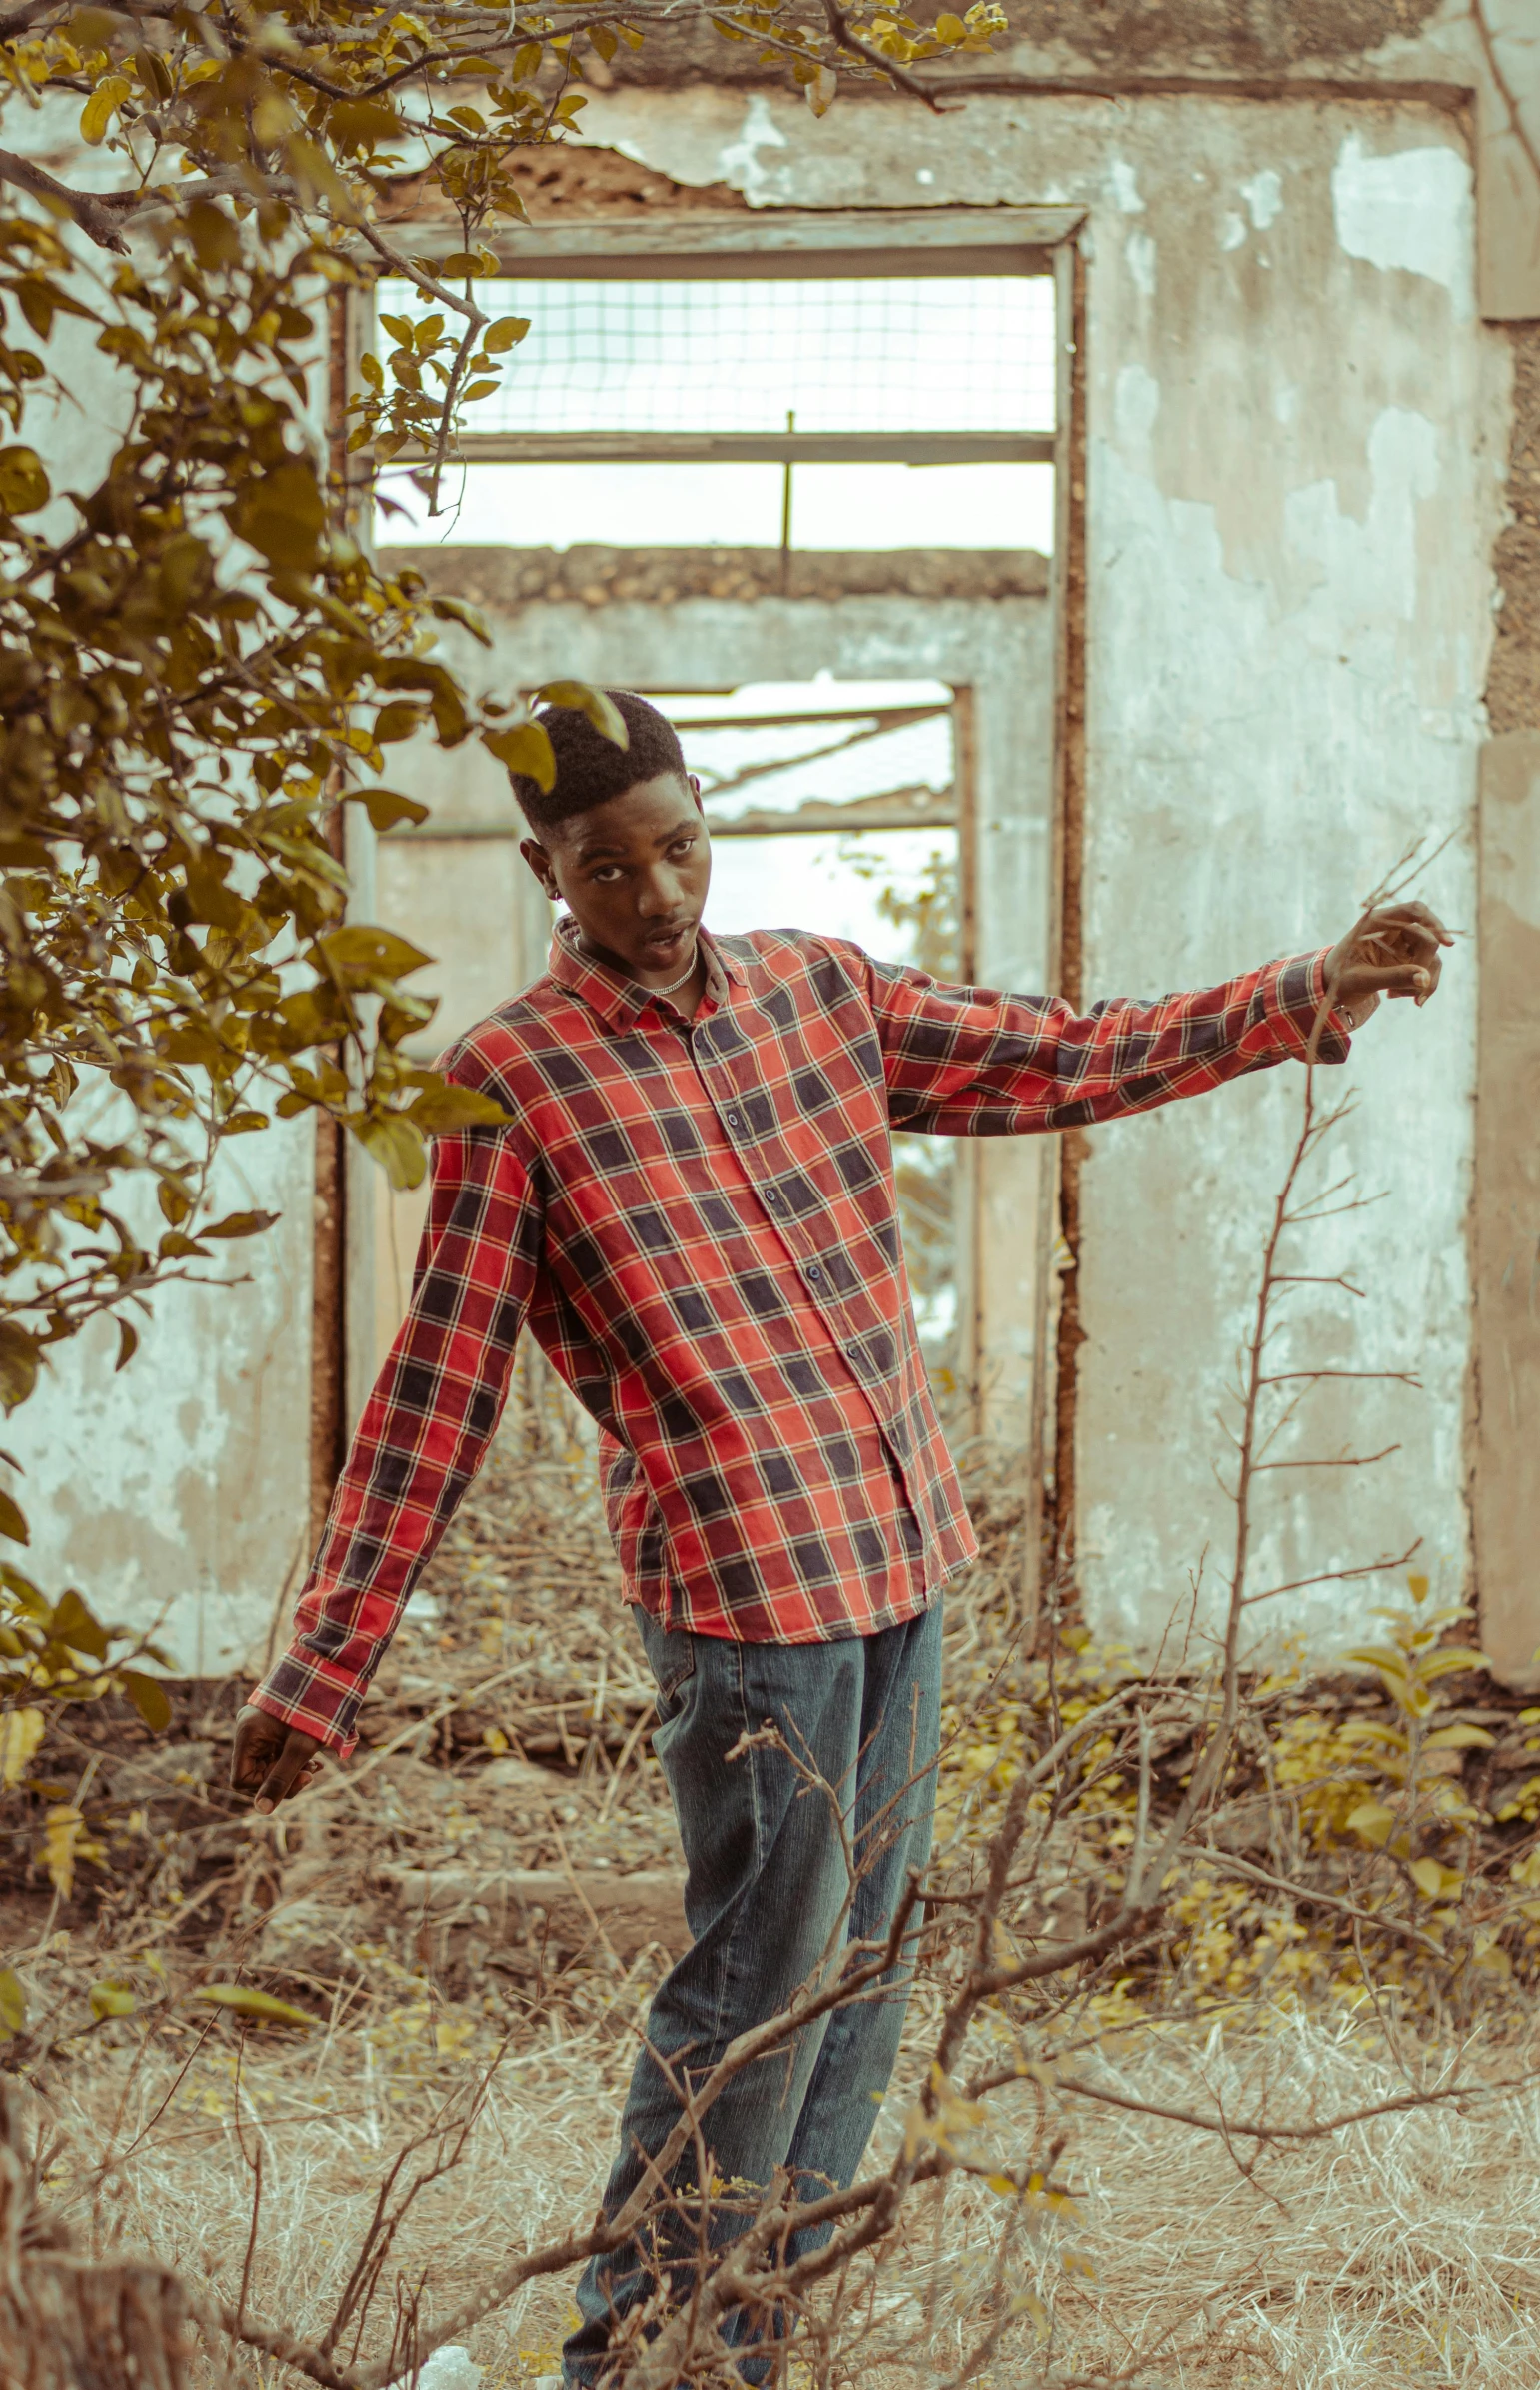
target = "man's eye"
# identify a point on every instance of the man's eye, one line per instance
(685, 844)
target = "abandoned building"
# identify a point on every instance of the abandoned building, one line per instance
(1089, 536)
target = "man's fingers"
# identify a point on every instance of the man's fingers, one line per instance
(293, 1768)
(270, 1761)
(1414, 911)
(1387, 979)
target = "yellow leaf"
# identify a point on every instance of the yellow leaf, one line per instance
(1445, 1663)
(21, 1730)
(259, 2005)
(1434, 1881)
(1460, 1738)
(1373, 1822)
(102, 107)
(820, 89)
(526, 749)
(60, 1838)
(1417, 1587)
(112, 1999)
(494, 1738)
(24, 486)
(13, 2004)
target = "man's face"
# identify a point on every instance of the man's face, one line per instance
(633, 875)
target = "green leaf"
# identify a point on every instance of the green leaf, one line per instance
(13, 2003)
(149, 1697)
(448, 1106)
(76, 1625)
(397, 1145)
(12, 1521)
(24, 486)
(112, 1999)
(399, 720)
(281, 514)
(387, 807)
(258, 2005)
(360, 951)
(524, 748)
(601, 710)
(455, 609)
(241, 1224)
(18, 1364)
(504, 334)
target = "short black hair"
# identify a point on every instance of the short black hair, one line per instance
(590, 768)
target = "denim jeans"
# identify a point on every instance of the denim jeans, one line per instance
(766, 1881)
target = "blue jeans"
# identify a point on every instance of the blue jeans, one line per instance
(766, 1881)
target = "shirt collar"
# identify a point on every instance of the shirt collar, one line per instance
(618, 999)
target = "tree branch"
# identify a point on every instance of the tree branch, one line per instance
(94, 216)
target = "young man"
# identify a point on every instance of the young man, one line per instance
(692, 1207)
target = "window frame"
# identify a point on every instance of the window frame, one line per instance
(766, 245)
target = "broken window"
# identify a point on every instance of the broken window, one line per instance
(691, 408)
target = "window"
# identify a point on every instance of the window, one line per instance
(872, 398)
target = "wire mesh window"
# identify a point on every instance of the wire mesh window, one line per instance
(964, 353)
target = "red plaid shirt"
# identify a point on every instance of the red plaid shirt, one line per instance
(697, 1220)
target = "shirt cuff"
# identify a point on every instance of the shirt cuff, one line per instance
(325, 1706)
(1294, 1002)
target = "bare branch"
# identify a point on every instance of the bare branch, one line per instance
(93, 215)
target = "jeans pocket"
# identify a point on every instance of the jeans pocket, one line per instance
(670, 1656)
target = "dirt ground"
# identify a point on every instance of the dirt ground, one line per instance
(478, 1909)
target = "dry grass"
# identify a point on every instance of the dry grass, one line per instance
(1404, 2250)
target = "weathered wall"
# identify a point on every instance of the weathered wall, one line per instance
(1298, 434)
(1479, 56)
(174, 1494)
(1505, 1384)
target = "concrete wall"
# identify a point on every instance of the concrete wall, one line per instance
(1299, 430)
(174, 1494)
(1298, 439)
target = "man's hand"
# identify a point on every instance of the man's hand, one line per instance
(1392, 951)
(272, 1762)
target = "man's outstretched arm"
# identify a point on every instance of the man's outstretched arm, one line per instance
(416, 1448)
(969, 1062)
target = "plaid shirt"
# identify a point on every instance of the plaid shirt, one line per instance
(697, 1219)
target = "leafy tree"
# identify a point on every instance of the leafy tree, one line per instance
(201, 665)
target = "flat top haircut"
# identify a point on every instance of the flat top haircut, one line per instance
(590, 768)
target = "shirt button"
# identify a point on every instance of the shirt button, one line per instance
(813, 1271)
(735, 1119)
(771, 1196)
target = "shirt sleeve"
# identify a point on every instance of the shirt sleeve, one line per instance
(423, 1434)
(968, 1062)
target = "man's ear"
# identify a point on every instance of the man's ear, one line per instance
(539, 864)
(692, 782)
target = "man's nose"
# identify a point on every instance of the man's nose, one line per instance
(658, 893)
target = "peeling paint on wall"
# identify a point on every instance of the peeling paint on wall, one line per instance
(1263, 196)
(1413, 210)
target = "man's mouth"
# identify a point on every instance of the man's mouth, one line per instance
(662, 944)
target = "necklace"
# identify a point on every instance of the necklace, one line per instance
(688, 972)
